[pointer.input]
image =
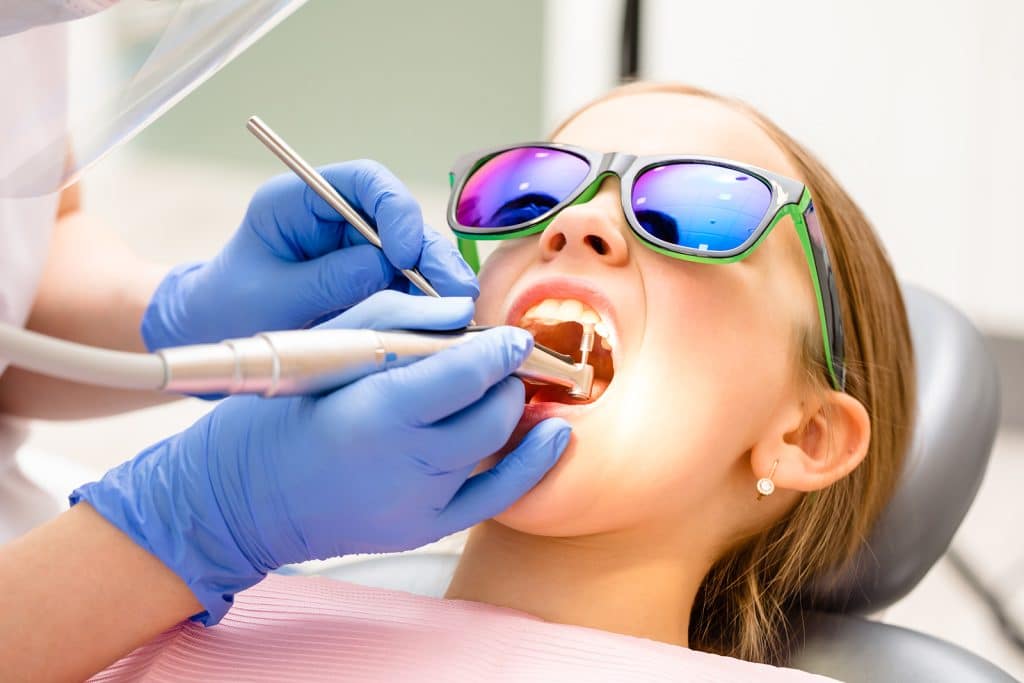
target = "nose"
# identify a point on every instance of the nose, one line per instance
(587, 231)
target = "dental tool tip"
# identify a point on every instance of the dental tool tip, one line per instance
(586, 343)
(583, 382)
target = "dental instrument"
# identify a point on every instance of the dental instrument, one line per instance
(319, 184)
(316, 182)
(281, 363)
(586, 342)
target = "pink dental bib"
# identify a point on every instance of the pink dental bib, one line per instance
(315, 629)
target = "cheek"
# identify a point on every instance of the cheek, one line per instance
(716, 354)
(688, 404)
(499, 273)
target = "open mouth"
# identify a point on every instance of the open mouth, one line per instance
(558, 324)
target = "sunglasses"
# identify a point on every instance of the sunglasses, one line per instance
(693, 208)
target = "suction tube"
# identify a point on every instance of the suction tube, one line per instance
(80, 363)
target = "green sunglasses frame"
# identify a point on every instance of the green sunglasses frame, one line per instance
(789, 198)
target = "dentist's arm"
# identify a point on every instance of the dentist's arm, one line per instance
(383, 464)
(78, 595)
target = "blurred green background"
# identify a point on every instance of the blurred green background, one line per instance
(411, 84)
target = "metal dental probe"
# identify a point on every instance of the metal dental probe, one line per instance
(319, 184)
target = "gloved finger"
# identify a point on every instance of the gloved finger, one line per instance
(443, 384)
(391, 310)
(290, 220)
(490, 493)
(470, 435)
(445, 269)
(339, 280)
(376, 192)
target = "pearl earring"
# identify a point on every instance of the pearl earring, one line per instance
(765, 485)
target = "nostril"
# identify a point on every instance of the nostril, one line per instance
(558, 242)
(597, 244)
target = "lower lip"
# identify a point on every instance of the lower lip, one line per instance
(533, 414)
(536, 412)
(546, 409)
(539, 409)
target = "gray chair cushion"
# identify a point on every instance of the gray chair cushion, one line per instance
(957, 417)
(856, 650)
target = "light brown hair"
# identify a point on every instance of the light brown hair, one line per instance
(745, 604)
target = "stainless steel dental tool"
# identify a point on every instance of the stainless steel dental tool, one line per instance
(270, 364)
(319, 184)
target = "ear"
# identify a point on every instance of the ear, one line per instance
(816, 444)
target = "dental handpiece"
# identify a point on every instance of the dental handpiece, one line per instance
(271, 364)
(314, 361)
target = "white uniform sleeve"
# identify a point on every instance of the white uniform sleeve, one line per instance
(34, 66)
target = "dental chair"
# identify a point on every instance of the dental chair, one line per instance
(957, 416)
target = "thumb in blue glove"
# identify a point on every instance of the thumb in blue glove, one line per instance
(383, 464)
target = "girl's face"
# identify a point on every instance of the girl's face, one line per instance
(703, 357)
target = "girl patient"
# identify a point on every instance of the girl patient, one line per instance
(747, 425)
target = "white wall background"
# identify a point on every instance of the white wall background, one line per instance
(917, 107)
(581, 53)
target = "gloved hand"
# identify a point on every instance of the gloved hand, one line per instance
(295, 261)
(379, 465)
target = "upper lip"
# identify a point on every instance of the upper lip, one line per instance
(564, 288)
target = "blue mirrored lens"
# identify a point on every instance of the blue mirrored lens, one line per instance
(700, 206)
(519, 186)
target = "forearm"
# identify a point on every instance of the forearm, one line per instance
(78, 594)
(30, 395)
(94, 290)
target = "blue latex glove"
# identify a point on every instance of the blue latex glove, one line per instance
(379, 465)
(295, 261)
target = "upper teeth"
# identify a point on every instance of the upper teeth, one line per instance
(551, 311)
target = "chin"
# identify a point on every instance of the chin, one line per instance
(563, 501)
(542, 506)
(552, 506)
